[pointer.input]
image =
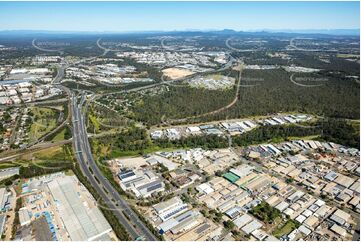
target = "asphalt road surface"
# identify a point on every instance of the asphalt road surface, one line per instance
(111, 197)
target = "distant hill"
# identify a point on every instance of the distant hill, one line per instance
(345, 32)
(320, 31)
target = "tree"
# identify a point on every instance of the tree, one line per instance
(219, 173)
(229, 224)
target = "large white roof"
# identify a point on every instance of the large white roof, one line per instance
(80, 222)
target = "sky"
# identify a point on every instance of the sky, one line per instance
(165, 16)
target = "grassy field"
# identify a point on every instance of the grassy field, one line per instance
(101, 149)
(310, 137)
(47, 161)
(45, 120)
(53, 154)
(287, 228)
(59, 136)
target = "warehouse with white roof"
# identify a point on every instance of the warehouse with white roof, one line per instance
(82, 223)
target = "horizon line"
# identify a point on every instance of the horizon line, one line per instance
(185, 30)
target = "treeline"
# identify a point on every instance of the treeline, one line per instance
(152, 72)
(277, 132)
(43, 168)
(340, 132)
(330, 130)
(137, 140)
(265, 212)
(9, 181)
(148, 224)
(16, 223)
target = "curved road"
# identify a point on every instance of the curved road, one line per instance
(234, 101)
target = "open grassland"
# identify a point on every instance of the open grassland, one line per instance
(45, 120)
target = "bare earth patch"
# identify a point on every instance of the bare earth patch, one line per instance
(175, 73)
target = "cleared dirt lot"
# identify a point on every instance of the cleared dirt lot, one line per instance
(175, 73)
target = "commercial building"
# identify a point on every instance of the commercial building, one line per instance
(231, 177)
(295, 196)
(338, 230)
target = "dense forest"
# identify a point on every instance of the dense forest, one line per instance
(179, 102)
(132, 139)
(336, 97)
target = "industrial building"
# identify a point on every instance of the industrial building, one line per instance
(252, 226)
(4, 199)
(171, 208)
(141, 183)
(340, 217)
(24, 216)
(181, 223)
(5, 173)
(80, 222)
(155, 159)
(2, 223)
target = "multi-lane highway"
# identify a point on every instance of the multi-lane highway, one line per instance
(111, 197)
(131, 222)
